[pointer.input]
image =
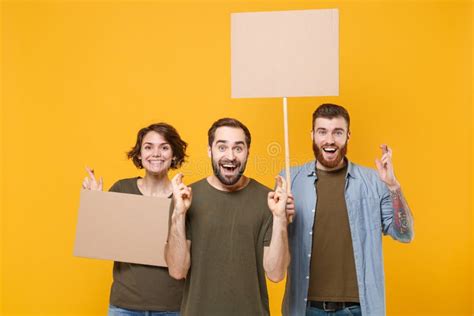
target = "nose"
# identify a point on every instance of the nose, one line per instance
(157, 152)
(330, 138)
(230, 154)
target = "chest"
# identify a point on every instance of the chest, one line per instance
(226, 218)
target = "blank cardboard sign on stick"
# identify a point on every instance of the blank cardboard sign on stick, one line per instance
(122, 227)
(285, 53)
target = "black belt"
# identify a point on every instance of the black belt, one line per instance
(331, 306)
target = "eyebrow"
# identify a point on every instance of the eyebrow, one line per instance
(225, 142)
(159, 144)
(325, 129)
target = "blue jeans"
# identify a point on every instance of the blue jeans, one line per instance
(118, 311)
(348, 311)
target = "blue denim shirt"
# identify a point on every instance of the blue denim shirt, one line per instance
(370, 211)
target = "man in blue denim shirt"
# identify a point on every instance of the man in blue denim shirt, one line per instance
(342, 210)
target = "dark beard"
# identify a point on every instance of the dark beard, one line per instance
(224, 180)
(318, 154)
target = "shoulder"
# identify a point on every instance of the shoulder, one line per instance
(367, 177)
(258, 187)
(199, 185)
(300, 171)
(303, 170)
(127, 181)
(123, 184)
(256, 195)
(365, 173)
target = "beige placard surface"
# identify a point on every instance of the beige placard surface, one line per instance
(285, 53)
(122, 227)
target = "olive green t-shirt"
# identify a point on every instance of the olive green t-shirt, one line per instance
(228, 232)
(332, 272)
(143, 287)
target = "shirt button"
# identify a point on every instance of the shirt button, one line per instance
(305, 299)
(309, 255)
(311, 233)
(312, 210)
(307, 277)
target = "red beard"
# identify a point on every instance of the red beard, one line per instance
(318, 154)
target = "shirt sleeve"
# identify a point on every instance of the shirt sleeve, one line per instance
(387, 212)
(268, 229)
(170, 214)
(188, 226)
(116, 187)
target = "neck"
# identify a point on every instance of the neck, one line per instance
(155, 185)
(340, 165)
(217, 184)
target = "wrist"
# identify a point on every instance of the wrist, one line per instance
(280, 219)
(178, 216)
(393, 187)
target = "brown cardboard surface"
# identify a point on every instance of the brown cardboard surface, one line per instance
(122, 227)
(285, 53)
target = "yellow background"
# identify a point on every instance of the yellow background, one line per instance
(80, 78)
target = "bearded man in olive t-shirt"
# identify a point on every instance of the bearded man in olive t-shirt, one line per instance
(232, 234)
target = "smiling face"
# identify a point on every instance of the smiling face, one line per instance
(155, 153)
(330, 138)
(229, 153)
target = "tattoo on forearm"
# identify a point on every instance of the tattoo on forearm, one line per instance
(402, 215)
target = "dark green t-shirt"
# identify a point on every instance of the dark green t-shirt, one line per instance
(228, 232)
(143, 287)
(333, 275)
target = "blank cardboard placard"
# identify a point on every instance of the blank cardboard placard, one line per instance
(285, 53)
(122, 227)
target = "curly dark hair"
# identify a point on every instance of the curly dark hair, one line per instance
(170, 134)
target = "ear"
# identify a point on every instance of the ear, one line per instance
(348, 135)
(209, 151)
(312, 135)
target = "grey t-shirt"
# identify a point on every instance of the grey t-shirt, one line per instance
(228, 232)
(143, 287)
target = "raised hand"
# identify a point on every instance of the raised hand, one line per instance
(403, 220)
(278, 199)
(182, 195)
(290, 207)
(385, 168)
(90, 182)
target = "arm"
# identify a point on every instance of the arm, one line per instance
(402, 219)
(177, 249)
(276, 257)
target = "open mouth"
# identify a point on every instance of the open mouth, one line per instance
(229, 168)
(329, 150)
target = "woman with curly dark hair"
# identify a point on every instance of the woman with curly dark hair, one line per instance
(142, 289)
